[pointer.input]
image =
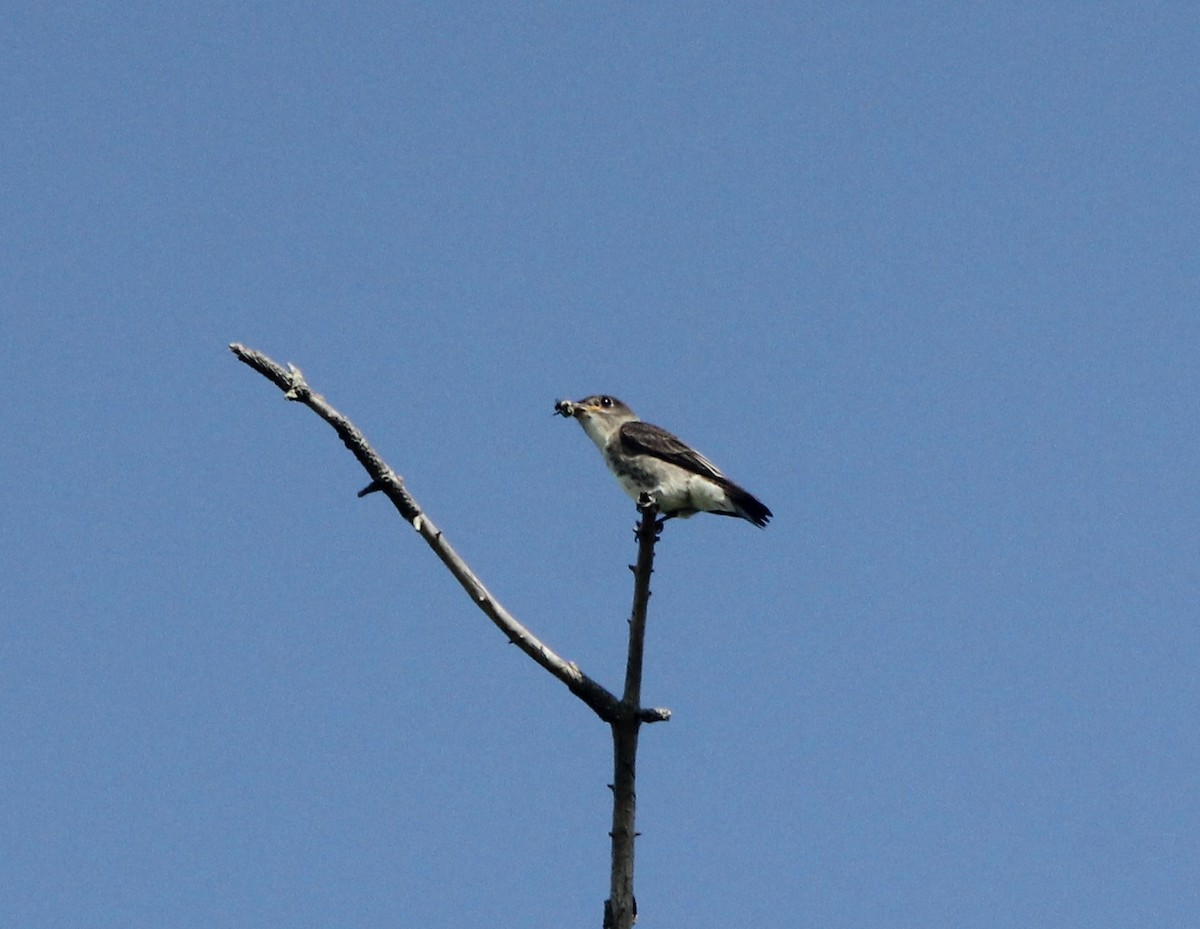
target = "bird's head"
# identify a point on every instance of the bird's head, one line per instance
(600, 415)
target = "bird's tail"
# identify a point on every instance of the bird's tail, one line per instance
(748, 506)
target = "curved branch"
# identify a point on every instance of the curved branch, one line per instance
(291, 380)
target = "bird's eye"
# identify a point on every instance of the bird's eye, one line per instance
(606, 401)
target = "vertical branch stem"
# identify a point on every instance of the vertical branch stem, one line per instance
(620, 910)
(647, 534)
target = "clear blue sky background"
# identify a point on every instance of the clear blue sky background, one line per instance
(924, 279)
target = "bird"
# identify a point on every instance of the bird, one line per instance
(646, 459)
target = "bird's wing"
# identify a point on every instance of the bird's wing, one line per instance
(639, 438)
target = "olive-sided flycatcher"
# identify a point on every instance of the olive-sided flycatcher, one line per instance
(648, 459)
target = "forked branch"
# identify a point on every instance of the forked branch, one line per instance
(625, 716)
(291, 381)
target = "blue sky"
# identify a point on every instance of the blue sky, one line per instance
(925, 280)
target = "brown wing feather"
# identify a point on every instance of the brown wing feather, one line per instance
(639, 438)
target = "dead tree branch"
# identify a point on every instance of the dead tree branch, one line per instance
(291, 381)
(625, 716)
(620, 910)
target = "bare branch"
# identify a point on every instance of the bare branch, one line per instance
(620, 910)
(290, 380)
(625, 716)
(647, 535)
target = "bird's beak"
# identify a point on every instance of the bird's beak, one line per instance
(570, 408)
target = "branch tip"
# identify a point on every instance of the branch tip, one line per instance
(290, 380)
